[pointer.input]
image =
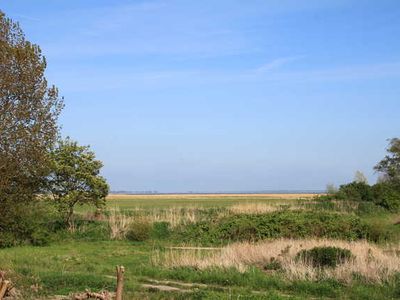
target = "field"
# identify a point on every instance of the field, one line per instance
(213, 247)
(197, 200)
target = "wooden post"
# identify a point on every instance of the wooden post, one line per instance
(120, 282)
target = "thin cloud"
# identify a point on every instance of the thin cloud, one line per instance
(277, 63)
(97, 79)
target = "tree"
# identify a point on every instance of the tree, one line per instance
(75, 178)
(390, 165)
(29, 111)
(359, 177)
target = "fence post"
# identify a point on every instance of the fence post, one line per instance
(120, 282)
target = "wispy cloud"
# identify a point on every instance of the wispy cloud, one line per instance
(277, 63)
(97, 79)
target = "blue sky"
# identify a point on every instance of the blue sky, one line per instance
(179, 96)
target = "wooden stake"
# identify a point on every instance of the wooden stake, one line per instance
(120, 282)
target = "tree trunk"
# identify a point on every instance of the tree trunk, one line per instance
(69, 219)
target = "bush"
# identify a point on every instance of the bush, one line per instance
(320, 257)
(7, 239)
(355, 191)
(161, 230)
(139, 231)
(29, 224)
(387, 195)
(279, 224)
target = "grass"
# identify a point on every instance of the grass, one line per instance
(372, 263)
(71, 266)
(86, 259)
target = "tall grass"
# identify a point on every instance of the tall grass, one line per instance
(118, 224)
(120, 221)
(372, 263)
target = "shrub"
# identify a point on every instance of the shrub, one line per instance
(387, 195)
(40, 237)
(355, 191)
(161, 230)
(324, 256)
(29, 225)
(139, 231)
(279, 224)
(7, 239)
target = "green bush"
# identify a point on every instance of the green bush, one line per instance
(355, 191)
(387, 195)
(320, 257)
(287, 224)
(29, 224)
(161, 230)
(7, 239)
(369, 208)
(139, 231)
(379, 231)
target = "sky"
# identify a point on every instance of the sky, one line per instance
(208, 96)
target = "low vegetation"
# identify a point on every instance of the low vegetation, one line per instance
(303, 259)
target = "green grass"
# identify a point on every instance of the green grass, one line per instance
(189, 201)
(76, 266)
(87, 260)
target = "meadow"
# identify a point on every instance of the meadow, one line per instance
(214, 247)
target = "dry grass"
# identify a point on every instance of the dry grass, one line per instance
(174, 216)
(260, 208)
(119, 221)
(119, 224)
(373, 263)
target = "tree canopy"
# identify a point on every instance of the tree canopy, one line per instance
(389, 166)
(29, 110)
(75, 178)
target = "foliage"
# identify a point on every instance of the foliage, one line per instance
(288, 224)
(355, 191)
(324, 256)
(29, 224)
(75, 178)
(390, 164)
(139, 230)
(29, 110)
(381, 195)
(161, 230)
(387, 195)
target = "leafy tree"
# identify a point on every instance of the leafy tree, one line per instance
(355, 191)
(29, 110)
(390, 165)
(75, 178)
